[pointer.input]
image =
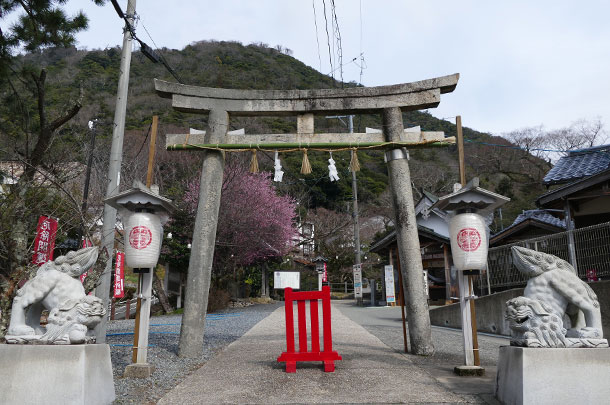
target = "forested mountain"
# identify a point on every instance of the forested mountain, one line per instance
(509, 171)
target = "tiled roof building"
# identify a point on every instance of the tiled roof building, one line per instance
(579, 164)
(584, 191)
(529, 224)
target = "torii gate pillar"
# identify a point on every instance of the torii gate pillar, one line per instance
(407, 236)
(204, 238)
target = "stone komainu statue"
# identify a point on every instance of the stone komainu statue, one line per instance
(553, 293)
(57, 288)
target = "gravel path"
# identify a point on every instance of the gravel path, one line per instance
(222, 328)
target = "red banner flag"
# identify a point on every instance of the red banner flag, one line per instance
(591, 275)
(45, 240)
(119, 275)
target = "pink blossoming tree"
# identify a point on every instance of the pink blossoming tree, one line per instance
(254, 222)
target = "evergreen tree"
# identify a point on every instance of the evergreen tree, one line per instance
(30, 127)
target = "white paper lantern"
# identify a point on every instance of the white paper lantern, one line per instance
(142, 240)
(469, 242)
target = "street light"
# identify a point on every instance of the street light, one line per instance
(469, 234)
(321, 269)
(143, 212)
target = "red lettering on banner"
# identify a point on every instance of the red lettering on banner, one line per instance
(41, 257)
(119, 275)
(45, 240)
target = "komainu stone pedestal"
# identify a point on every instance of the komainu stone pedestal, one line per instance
(56, 374)
(553, 376)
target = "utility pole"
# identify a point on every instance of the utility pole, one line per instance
(114, 167)
(87, 176)
(355, 207)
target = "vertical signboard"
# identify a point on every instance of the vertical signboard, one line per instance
(325, 275)
(357, 268)
(45, 240)
(426, 288)
(119, 275)
(390, 290)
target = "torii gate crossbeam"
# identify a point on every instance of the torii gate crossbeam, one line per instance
(390, 101)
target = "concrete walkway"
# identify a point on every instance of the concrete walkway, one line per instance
(370, 372)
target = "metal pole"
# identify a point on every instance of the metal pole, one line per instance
(570, 228)
(81, 232)
(460, 147)
(89, 164)
(447, 274)
(473, 320)
(409, 253)
(114, 169)
(355, 207)
(136, 331)
(488, 280)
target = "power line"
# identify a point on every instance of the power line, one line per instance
(163, 60)
(143, 142)
(332, 30)
(362, 65)
(330, 57)
(337, 36)
(315, 21)
(144, 48)
(345, 64)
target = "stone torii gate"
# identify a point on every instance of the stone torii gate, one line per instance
(390, 101)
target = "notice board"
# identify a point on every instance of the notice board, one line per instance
(284, 279)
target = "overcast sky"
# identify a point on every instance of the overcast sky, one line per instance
(522, 63)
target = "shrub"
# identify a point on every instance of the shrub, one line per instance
(218, 299)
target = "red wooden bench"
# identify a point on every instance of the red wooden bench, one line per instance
(290, 356)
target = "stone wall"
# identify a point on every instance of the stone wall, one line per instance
(490, 311)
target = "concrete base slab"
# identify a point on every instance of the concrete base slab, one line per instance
(553, 376)
(48, 374)
(469, 371)
(139, 370)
